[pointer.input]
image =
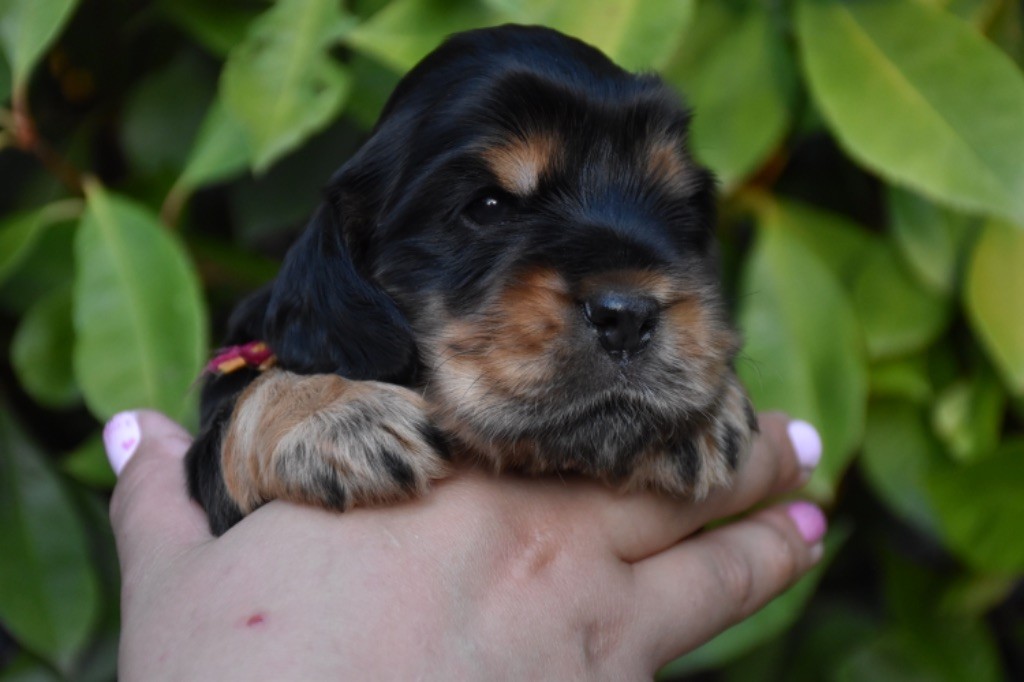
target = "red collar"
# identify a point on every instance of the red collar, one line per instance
(253, 354)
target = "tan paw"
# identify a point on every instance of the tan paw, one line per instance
(707, 455)
(330, 442)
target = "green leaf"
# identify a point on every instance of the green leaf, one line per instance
(48, 587)
(281, 84)
(974, 11)
(980, 508)
(905, 378)
(42, 348)
(404, 32)
(830, 631)
(636, 34)
(932, 239)
(976, 594)
(841, 244)
(740, 87)
(20, 232)
(899, 315)
(47, 266)
(804, 349)
(922, 641)
(140, 321)
(373, 83)
(968, 416)
(220, 151)
(771, 621)
(920, 98)
(5, 79)
(26, 668)
(948, 650)
(88, 464)
(993, 292)
(27, 27)
(165, 110)
(217, 26)
(899, 451)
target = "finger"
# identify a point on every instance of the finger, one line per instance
(697, 589)
(783, 456)
(150, 510)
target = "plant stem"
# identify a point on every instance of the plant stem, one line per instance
(25, 137)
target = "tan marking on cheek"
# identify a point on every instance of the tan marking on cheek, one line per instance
(519, 164)
(528, 321)
(506, 352)
(698, 333)
(533, 310)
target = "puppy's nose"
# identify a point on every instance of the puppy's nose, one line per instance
(624, 322)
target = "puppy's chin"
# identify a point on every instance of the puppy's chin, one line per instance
(600, 436)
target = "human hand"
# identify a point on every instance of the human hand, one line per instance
(485, 578)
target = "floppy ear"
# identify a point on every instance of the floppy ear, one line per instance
(326, 316)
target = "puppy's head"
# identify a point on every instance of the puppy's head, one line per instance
(526, 226)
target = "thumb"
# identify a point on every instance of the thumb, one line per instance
(150, 510)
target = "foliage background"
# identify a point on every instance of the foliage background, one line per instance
(158, 156)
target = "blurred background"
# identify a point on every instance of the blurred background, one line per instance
(157, 157)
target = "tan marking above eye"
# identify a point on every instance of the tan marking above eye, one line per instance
(667, 164)
(520, 163)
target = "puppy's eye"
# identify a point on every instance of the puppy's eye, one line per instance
(491, 208)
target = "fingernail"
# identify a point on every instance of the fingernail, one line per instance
(806, 442)
(121, 437)
(809, 520)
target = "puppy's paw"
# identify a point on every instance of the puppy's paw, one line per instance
(707, 455)
(329, 442)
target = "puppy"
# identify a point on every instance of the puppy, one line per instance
(518, 266)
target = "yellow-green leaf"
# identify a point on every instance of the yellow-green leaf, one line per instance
(281, 83)
(221, 149)
(932, 239)
(404, 31)
(920, 98)
(739, 85)
(968, 416)
(636, 34)
(804, 351)
(993, 295)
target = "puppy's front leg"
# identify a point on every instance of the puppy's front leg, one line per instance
(328, 441)
(705, 455)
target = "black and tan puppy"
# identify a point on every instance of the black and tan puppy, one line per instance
(517, 266)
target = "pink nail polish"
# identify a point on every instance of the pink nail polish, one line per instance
(121, 437)
(806, 442)
(809, 520)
